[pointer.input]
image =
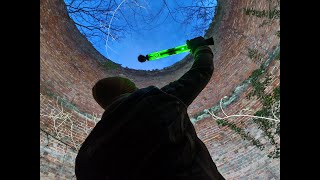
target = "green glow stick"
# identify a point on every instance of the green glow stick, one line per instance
(168, 52)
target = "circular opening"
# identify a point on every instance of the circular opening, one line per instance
(121, 30)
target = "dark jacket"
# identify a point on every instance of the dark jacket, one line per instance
(148, 134)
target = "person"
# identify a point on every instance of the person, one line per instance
(146, 133)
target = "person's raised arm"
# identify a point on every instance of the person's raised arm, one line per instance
(188, 87)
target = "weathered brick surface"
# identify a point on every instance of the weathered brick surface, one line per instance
(69, 69)
(56, 159)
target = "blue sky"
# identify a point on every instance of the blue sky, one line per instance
(165, 33)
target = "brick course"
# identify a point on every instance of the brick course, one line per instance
(69, 68)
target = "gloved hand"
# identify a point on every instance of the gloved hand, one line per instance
(193, 44)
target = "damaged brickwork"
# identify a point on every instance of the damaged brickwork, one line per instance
(70, 66)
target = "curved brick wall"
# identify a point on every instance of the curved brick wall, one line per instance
(70, 67)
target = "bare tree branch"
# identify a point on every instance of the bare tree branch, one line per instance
(99, 19)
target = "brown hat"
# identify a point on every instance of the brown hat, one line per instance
(106, 90)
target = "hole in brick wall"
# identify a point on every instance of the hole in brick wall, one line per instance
(69, 88)
(122, 30)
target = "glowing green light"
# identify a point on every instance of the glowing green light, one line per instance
(168, 52)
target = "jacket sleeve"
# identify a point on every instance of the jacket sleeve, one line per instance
(188, 87)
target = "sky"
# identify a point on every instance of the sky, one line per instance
(165, 33)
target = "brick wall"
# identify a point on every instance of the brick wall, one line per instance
(69, 68)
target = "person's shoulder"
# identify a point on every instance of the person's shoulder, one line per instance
(149, 88)
(145, 90)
